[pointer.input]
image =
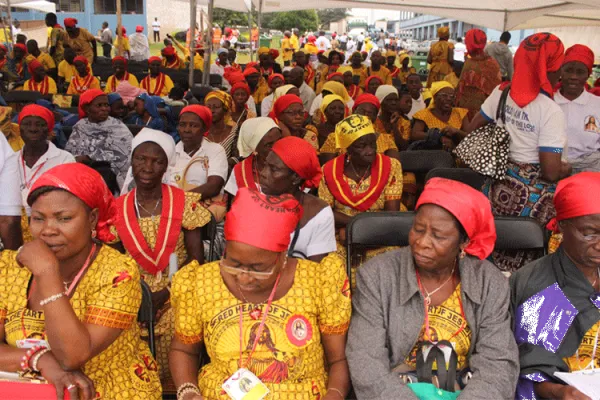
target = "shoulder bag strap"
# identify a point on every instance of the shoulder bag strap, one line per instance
(294, 240)
(501, 111)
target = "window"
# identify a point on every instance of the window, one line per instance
(69, 5)
(110, 6)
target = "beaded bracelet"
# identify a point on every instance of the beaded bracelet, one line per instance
(51, 299)
(28, 354)
(36, 358)
(186, 388)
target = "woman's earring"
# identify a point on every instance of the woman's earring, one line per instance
(462, 253)
(93, 234)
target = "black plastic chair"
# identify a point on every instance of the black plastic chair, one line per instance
(22, 96)
(376, 229)
(67, 130)
(146, 315)
(215, 80)
(520, 233)
(209, 232)
(423, 161)
(464, 175)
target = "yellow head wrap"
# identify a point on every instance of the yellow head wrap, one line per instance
(435, 88)
(403, 57)
(390, 53)
(221, 95)
(337, 88)
(263, 50)
(344, 68)
(350, 129)
(327, 100)
(443, 32)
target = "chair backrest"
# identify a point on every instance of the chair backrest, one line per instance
(423, 161)
(215, 80)
(464, 175)
(520, 233)
(67, 130)
(146, 314)
(209, 232)
(22, 96)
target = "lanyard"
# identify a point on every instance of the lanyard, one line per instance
(426, 335)
(25, 181)
(260, 328)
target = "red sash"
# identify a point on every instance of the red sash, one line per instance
(341, 191)
(174, 65)
(113, 84)
(244, 174)
(160, 84)
(354, 91)
(41, 87)
(151, 260)
(82, 87)
(394, 72)
(311, 75)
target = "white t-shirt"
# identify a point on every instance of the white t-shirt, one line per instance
(323, 43)
(53, 157)
(417, 105)
(538, 127)
(459, 52)
(231, 186)
(317, 236)
(265, 106)
(156, 26)
(10, 200)
(360, 38)
(583, 123)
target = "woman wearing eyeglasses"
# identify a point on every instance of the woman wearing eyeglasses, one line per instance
(288, 113)
(555, 300)
(282, 319)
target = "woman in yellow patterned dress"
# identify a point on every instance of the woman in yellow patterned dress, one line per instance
(74, 295)
(156, 222)
(441, 57)
(359, 180)
(441, 114)
(281, 318)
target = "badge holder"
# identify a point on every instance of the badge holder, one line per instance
(244, 385)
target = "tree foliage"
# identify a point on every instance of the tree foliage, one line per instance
(225, 18)
(305, 20)
(329, 15)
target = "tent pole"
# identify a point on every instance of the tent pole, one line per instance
(505, 19)
(192, 41)
(258, 22)
(208, 51)
(7, 38)
(250, 30)
(119, 30)
(10, 33)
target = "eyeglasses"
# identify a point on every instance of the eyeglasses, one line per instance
(260, 275)
(595, 238)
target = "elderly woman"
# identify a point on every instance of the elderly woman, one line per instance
(156, 83)
(441, 57)
(159, 227)
(83, 80)
(436, 300)
(288, 317)
(372, 83)
(223, 129)
(360, 179)
(480, 74)
(561, 287)
(72, 298)
(275, 81)
(288, 113)
(536, 126)
(450, 122)
(257, 137)
(145, 113)
(99, 137)
(240, 112)
(392, 120)
(330, 87)
(39, 81)
(290, 168)
(121, 74)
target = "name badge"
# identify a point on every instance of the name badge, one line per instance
(244, 385)
(30, 343)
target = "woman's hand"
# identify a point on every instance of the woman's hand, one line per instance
(450, 131)
(77, 383)
(447, 144)
(285, 131)
(332, 395)
(192, 396)
(37, 257)
(394, 120)
(570, 393)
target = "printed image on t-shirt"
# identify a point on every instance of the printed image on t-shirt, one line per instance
(591, 124)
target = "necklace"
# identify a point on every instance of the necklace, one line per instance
(255, 312)
(428, 294)
(362, 179)
(193, 151)
(152, 216)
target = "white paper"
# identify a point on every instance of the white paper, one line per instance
(587, 382)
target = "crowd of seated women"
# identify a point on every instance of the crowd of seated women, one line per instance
(85, 219)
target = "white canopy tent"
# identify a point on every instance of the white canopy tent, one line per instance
(39, 5)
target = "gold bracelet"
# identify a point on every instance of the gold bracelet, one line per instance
(338, 392)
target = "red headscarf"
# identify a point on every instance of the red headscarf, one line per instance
(311, 38)
(274, 53)
(273, 76)
(334, 74)
(252, 64)
(3, 47)
(282, 104)
(70, 22)
(119, 58)
(201, 111)
(300, 157)
(20, 46)
(169, 51)
(250, 71)
(233, 76)
(240, 85)
(228, 31)
(33, 65)
(262, 221)
(139, 29)
(576, 196)
(470, 207)
(369, 79)
(82, 59)
(33, 110)
(580, 53)
(154, 58)
(475, 40)
(366, 98)
(87, 185)
(537, 55)
(86, 98)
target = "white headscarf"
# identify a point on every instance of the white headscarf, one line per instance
(251, 133)
(165, 141)
(384, 91)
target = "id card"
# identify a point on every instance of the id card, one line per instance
(30, 343)
(244, 385)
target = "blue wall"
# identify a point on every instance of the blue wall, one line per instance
(89, 20)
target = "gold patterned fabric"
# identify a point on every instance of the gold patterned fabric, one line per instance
(431, 121)
(312, 136)
(194, 216)
(444, 321)
(289, 359)
(583, 357)
(384, 74)
(109, 294)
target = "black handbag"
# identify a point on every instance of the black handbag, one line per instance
(485, 150)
